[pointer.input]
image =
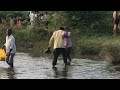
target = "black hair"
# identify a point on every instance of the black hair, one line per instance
(9, 31)
(61, 28)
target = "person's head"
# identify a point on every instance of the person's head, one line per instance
(9, 32)
(61, 28)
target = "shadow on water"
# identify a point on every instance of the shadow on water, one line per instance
(7, 73)
(60, 73)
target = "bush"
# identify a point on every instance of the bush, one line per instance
(111, 51)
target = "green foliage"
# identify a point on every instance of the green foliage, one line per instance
(111, 50)
(82, 22)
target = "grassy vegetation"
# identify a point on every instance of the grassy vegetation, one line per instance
(111, 50)
(35, 42)
(98, 48)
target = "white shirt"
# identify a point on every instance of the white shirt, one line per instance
(32, 16)
(10, 44)
(42, 17)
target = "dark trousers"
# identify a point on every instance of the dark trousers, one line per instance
(68, 52)
(57, 52)
(9, 59)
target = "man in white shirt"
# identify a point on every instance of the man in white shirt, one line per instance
(32, 18)
(10, 47)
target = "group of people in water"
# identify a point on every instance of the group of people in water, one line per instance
(60, 40)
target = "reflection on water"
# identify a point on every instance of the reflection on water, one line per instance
(63, 73)
(10, 73)
(26, 67)
(7, 73)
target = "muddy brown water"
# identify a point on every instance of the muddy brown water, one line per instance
(27, 67)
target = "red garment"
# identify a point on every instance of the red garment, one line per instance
(115, 21)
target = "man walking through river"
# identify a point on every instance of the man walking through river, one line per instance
(59, 47)
(10, 47)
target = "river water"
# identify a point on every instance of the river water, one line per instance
(27, 67)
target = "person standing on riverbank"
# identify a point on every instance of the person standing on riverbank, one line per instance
(115, 22)
(32, 18)
(58, 46)
(10, 47)
(18, 23)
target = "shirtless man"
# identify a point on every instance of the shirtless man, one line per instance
(115, 22)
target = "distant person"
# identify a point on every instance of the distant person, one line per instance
(32, 18)
(11, 22)
(42, 18)
(115, 22)
(10, 47)
(58, 46)
(18, 24)
(46, 19)
(68, 44)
